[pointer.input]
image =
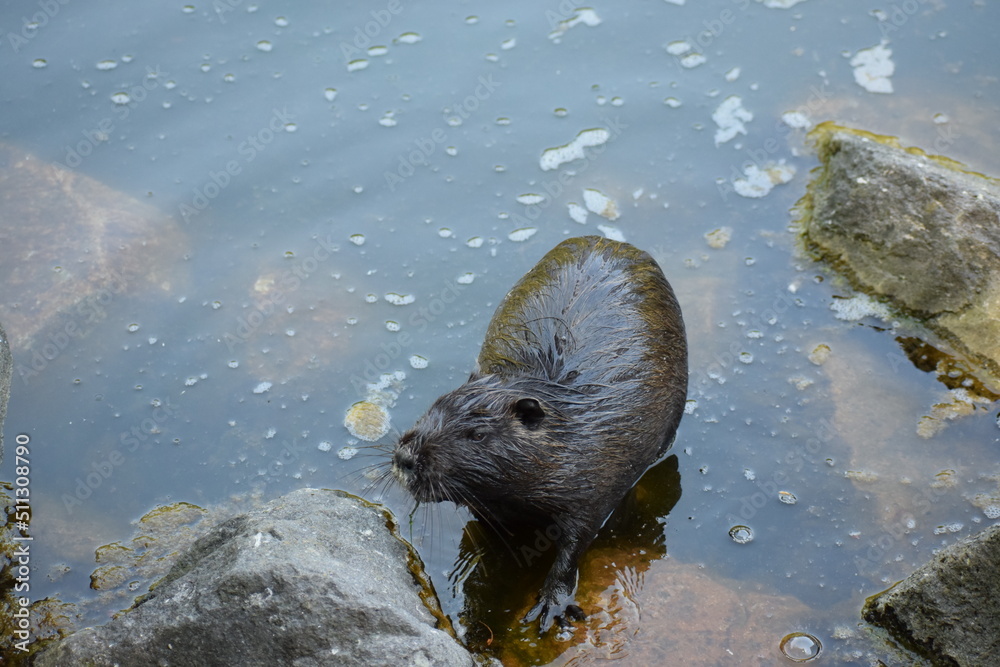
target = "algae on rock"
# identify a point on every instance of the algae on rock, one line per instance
(917, 231)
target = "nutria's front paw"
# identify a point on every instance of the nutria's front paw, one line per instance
(545, 612)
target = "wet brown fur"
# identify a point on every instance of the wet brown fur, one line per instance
(579, 388)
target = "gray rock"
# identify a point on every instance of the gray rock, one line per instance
(312, 578)
(919, 231)
(6, 366)
(949, 609)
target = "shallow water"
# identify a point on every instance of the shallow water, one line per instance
(310, 192)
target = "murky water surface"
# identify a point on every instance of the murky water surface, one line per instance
(338, 197)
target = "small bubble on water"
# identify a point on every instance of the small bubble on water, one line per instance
(741, 534)
(233, 364)
(992, 512)
(800, 647)
(330, 94)
(347, 453)
(357, 239)
(746, 357)
(281, 22)
(132, 328)
(121, 98)
(106, 65)
(787, 497)
(416, 361)
(324, 446)
(262, 387)
(39, 63)
(393, 326)
(264, 46)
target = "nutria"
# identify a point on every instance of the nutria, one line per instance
(579, 388)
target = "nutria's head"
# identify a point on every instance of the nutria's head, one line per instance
(479, 444)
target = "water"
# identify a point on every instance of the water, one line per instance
(339, 191)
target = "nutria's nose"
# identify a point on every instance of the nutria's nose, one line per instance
(403, 460)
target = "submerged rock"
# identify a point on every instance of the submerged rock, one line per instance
(69, 246)
(312, 578)
(949, 609)
(920, 232)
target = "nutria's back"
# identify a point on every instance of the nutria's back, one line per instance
(596, 315)
(579, 388)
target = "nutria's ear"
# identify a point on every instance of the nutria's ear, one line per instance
(529, 411)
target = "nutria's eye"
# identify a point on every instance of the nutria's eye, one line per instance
(477, 433)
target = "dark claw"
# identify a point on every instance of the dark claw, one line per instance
(575, 613)
(544, 611)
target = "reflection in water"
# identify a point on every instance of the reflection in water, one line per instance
(499, 575)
